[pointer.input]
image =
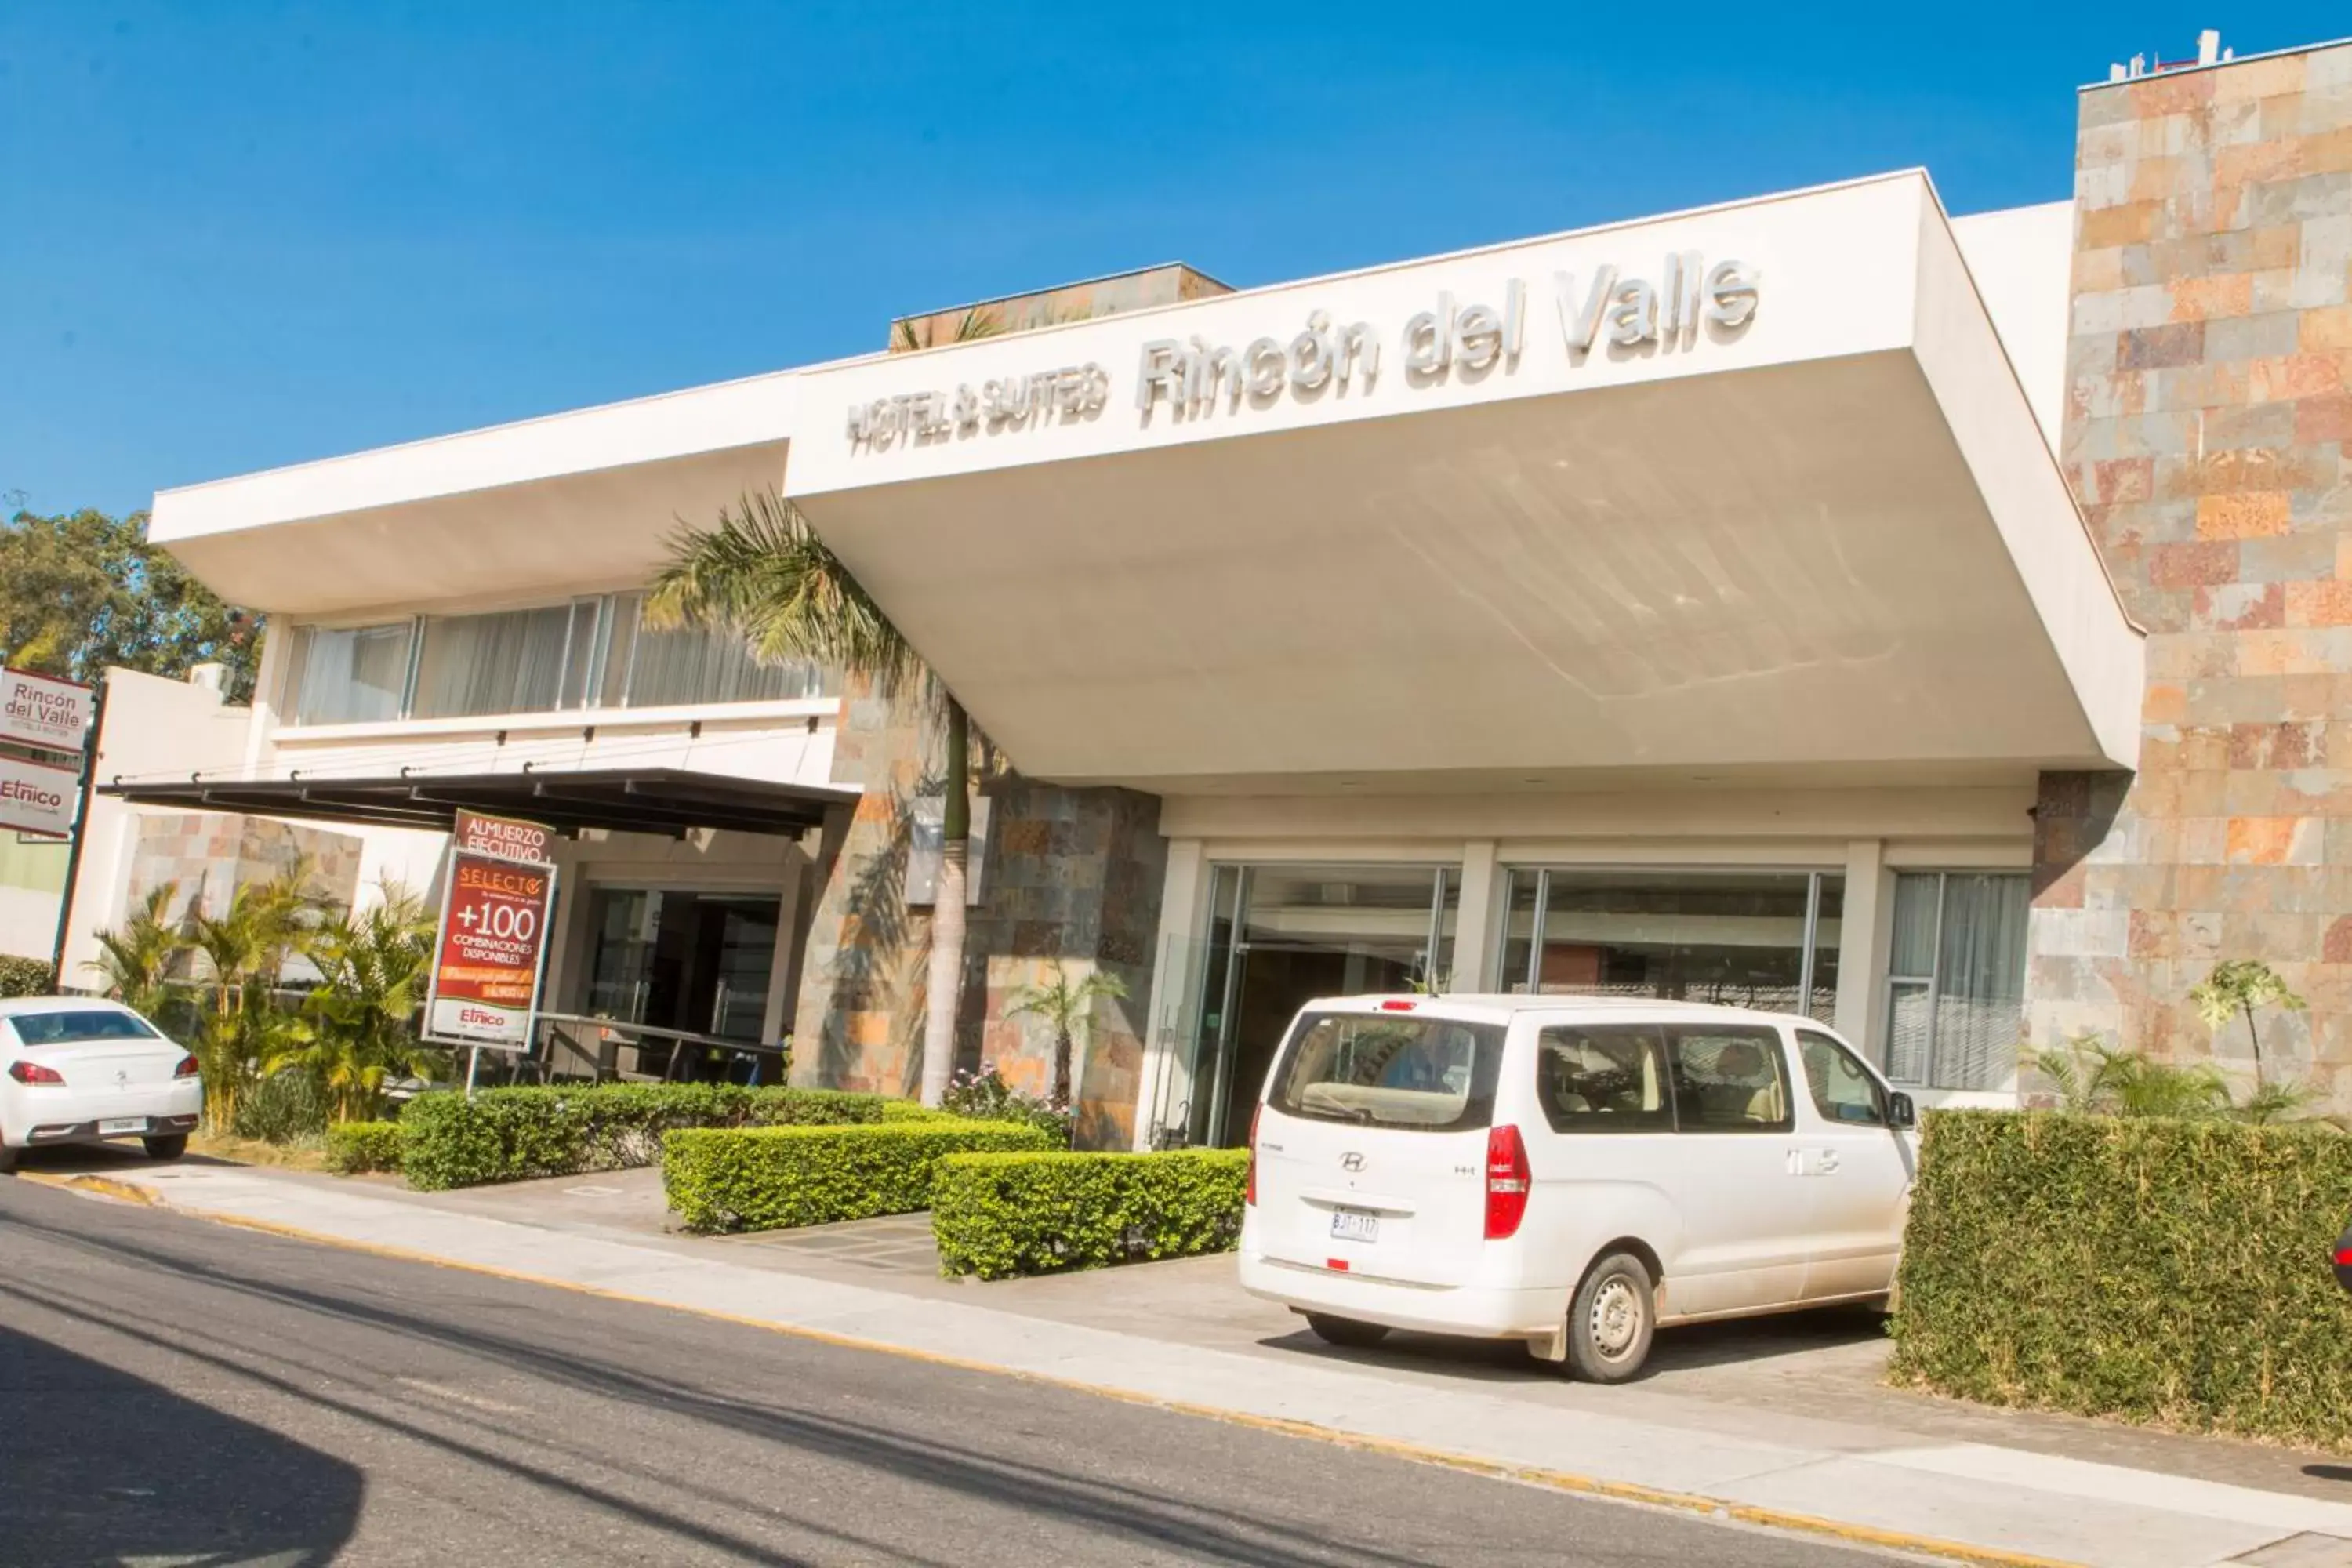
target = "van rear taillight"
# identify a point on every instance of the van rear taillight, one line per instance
(1249, 1189)
(1506, 1182)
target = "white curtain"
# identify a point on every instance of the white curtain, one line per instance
(677, 668)
(509, 663)
(1980, 976)
(351, 675)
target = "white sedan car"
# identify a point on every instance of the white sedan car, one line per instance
(76, 1070)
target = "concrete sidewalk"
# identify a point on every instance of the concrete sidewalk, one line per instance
(1759, 1459)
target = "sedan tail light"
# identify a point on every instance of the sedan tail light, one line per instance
(187, 1068)
(33, 1072)
(1506, 1182)
(1249, 1190)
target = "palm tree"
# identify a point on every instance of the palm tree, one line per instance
(246, 946)
(355, 1031)
(1068, 1010)
(762, 573)
(136, 961)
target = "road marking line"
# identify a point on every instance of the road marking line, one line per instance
(1556, 1480)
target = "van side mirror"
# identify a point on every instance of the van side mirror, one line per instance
(1900, 1111)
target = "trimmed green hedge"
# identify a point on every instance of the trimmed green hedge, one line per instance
(2156, 1270)
(25, 976)
(768, 1177)
(514, 1134)
(1001, 1214)
(356, 1146)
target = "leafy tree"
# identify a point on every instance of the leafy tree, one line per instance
(762, 573)
(245, 949)
(1067, 1009)
(80, 591)
(2237, 986)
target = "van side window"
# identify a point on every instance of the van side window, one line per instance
(1610, 1079)
(1843, 1091)
(1728, 1079)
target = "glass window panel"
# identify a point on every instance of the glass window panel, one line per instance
(350, 675)
(693, 665)
(1609, 1079)
(506, 663)
(1735, 937)
(1728, 1080)
(1518, 928)
(1822, 1002)
(620, 647)
(1980, 980)
(580, 654)
(1907, 1031)
(1913, 954)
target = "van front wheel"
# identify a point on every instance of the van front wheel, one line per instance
(1612, 1320)
(1345, 1331)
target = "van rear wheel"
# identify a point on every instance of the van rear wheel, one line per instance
(1612, 1320)
(1345, 1331)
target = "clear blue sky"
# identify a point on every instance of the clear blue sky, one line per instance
(246, 234)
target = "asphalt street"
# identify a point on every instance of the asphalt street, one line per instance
(177, 1392)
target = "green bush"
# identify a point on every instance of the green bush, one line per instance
(1002, 1214)
(514, 1134)
(984, 1095)
(281, 1108)
(767, 1177)
(25, 976)
(2157, 1271)
(356, 1146)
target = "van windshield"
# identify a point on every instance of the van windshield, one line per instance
(1431, 1075)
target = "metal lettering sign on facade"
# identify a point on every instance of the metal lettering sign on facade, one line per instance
(38, 798)
(1603, 310)
(42, 711)
(489, 960)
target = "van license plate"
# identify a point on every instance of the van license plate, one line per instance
(124, 1124)
(1353, 1225)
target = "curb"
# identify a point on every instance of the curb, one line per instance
(100, 1186)
(1694, 1503)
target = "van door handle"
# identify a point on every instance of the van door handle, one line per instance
(1829, 1161)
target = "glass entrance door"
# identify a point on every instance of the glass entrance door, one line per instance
(677, 959)
(1279, 937)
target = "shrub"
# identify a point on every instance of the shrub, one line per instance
(1002, 1214)
(2157, 1271)
(356, 1146)
(281, 1108)
(766, 1177)
(25, 976)
(514, 1134)
(984, 1095)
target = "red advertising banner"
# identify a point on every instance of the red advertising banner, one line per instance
(486, 967)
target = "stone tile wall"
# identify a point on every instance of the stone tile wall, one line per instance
(1073, 879)
(2208, 410)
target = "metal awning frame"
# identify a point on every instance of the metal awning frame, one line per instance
(669, 801)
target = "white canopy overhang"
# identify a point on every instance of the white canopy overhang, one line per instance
(1827, 541)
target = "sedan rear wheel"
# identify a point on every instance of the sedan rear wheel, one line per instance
(7, 1159)
(170, 1146)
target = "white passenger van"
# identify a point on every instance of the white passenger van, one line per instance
(1575, 1173)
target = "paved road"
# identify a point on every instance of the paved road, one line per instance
(177, 1392)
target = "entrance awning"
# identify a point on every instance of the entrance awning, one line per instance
(620, 800)
(1806, 529)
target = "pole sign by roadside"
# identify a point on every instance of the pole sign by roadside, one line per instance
(491, 954)
(38, 798)
(42, 711)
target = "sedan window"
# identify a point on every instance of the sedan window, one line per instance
(70, 1028)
